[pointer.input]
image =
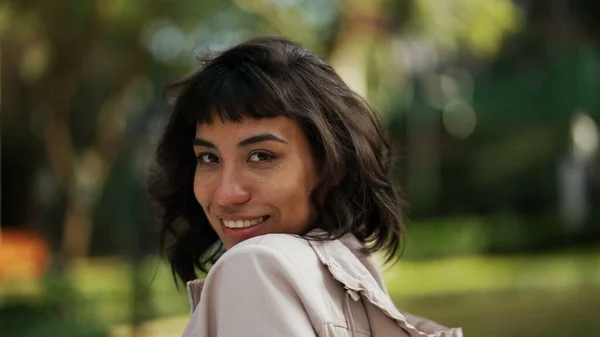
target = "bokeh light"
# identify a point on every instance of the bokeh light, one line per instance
(584, 133)
(459, 119)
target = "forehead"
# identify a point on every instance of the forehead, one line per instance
(224, 130)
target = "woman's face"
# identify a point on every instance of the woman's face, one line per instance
(254, 177)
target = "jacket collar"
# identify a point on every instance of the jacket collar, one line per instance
(358, 273)
(194, 290)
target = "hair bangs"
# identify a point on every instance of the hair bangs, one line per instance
(232, 94)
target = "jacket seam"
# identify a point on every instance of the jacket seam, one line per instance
(341, 326)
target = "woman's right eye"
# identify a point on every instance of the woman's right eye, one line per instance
(207, 158)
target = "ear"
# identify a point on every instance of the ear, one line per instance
(334, 180)
(339, 176)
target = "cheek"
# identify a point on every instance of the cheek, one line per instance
(201, 190)
(296, 201)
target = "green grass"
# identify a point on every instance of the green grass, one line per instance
(523, 313)
(109, 284)
(558, 271)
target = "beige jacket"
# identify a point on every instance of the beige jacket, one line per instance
(284, 285)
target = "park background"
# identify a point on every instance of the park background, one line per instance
(492, 106)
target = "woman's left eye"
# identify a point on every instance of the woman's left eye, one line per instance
(260, 157)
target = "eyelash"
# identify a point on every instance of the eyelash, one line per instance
(270, 156)
(200, 157)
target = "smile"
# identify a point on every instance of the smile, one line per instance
(243, 223)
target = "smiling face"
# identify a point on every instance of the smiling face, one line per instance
(254, 177)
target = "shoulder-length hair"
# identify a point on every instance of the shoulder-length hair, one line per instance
(263, 78)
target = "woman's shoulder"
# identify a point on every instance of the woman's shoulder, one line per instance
(290, 259)
(272, 265)
(282, 250)
(285, 243)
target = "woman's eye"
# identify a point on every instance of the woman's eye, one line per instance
(260, 157)
(207, 158)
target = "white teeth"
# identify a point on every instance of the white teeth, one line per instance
(242, 223)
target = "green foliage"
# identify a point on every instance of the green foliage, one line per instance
(33, 320)
(498, 233)
(477, 25)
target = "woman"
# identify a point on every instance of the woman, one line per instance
(274, 178)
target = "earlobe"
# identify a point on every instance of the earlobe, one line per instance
(333, 179)
(338, 177)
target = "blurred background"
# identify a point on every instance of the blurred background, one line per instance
(492, 105)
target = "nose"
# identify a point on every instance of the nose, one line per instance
(231, 190)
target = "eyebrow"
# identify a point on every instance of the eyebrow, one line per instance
(264, 137)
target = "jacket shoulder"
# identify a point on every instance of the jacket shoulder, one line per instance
(250, 284)
(320, 292)
(292, 248)
(279, 242)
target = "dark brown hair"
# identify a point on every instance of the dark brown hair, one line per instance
(268, 77)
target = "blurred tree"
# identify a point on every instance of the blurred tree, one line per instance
(52, 51)
(79, 75)
(80, 71)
